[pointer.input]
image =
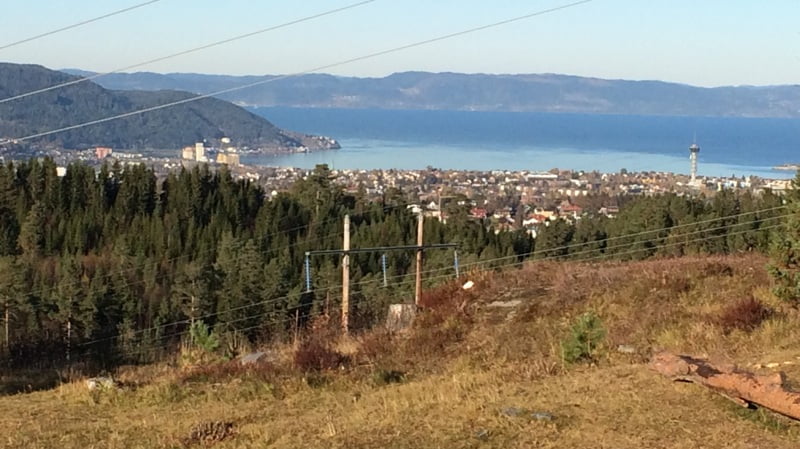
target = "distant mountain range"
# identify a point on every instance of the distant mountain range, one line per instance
(172, 127)
(454, 91)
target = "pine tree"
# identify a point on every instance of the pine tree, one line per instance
(193, 290)
(552, 240)
(9, 223)
(31, 236)
(10, 286)
(73, 307)
(785, 265)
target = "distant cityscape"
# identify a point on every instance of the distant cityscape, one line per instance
(508, 199)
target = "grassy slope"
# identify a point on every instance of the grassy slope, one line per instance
(463, 369)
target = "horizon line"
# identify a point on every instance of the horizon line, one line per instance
(445, 72)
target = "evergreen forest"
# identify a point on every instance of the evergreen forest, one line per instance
(115, 266)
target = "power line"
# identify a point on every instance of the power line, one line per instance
(570, 257)
(484, 262)
(213, 314)
(624, 236)
(503, 267)
(155, 263)
(155, 346)
(699, 231)
(601, 256)
(79, 24)
(186, 52)
(304, 72)
(638, 250)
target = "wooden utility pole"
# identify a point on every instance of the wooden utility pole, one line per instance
(346, 276)
(193, 306)
(192, 312)
(346, 251)
(418, 288)
(69, 336)
(6, 322)
(442, 217)
(296, 326)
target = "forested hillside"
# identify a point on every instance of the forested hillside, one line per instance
(119, 252)
(81, 102)
(101, 265)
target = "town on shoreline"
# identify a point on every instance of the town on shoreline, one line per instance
(510, 199)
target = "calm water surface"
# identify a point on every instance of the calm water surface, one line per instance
(373, 139)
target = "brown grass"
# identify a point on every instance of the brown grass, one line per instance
(228, 371)
(462, 364)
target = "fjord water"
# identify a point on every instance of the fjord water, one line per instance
(403, 139)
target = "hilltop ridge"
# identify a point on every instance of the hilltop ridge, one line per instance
(484, 92)
(172, 127)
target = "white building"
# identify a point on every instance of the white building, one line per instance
(200, 152)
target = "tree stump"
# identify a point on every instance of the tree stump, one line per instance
(400, 317)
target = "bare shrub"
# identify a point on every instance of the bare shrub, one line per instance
(211, 432)
(677, 283)
(225, 371)
(716, 268)
(375, 346)
(314, 355)
(447, 299)
(745, 314)
(433, 334)
(383, 377)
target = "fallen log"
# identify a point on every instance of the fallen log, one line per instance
(742, 387)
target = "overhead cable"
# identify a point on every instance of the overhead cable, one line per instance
(79, 24)
(185, 52)
(304, 72)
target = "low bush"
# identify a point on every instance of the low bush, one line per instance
(444, 299)
(385, 377)
(317, 380)
(226, 371)
(375, 346)
(433, 334)
(314, 355)
(716, 269)
(745, 315)
(166, 393)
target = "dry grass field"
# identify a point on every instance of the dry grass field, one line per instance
(479, 370)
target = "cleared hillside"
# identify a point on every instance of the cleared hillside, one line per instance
(482, 368)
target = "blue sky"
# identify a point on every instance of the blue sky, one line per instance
(700, 42)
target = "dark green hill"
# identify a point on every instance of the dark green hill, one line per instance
(172, 127)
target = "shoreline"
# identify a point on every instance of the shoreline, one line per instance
(787, 167)
(376, 154)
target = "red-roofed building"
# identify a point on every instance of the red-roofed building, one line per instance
(102, 152)
(478, 212)
(568, 209)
